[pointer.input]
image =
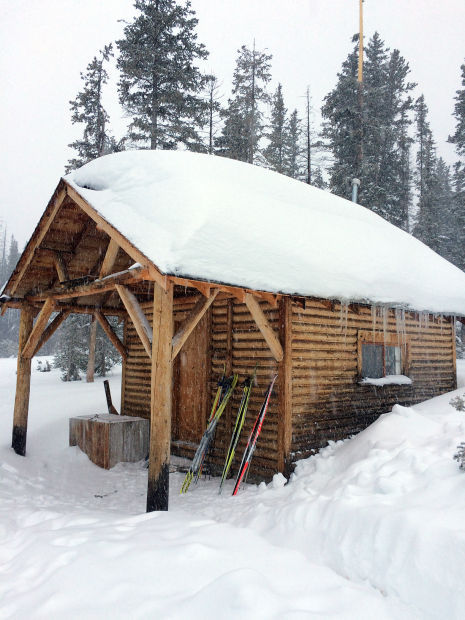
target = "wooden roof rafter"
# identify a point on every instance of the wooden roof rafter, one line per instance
(37, 237)
(120, 239)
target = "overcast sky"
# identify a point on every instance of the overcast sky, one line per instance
(45, 44)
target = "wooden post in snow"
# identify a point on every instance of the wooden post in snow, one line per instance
(160, 405)
(23, 384)
(92, 342)
(285, 386)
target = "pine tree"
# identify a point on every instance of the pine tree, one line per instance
(88, 109)
(458, 198)
(341, 126)
(13, 256)
(160, 85)
(293, 147)
(384, 167)
(214, 109)
(427, 225)
(243, 128)
(275, 152)
(71, 351)
(318, 179)
(458, 138)
(106, 356)
(447, 229)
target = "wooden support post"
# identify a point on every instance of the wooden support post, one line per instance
(38, 329)
(23, 384)
(92, 342)
(191, 322)
(160, 407)
(285, 387)
(138, 317)
(264, 326)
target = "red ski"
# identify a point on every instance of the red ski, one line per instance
(252, 441)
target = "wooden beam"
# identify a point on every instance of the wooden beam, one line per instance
(161, 398)
(264, 326)
(23, 384)
(138, 317)
(51, 329)
(38, 329)
(110, 258)
(190, 323)
(120, 239)
(285, 387)
(18, 304)
(60, 266)
(129, 276)
(116, 342)
(37, 238)
(233, 291)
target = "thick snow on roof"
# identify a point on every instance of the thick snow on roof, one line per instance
(220, 220)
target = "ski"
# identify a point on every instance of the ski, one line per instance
(240, 418)
(225, 389)
(253, 437)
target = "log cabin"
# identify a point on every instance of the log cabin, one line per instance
(215, 264)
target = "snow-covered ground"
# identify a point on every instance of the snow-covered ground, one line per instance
(372, 527)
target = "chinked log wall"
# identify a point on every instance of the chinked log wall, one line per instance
(327, 401)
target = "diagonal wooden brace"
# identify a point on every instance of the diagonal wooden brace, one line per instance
(138, 317)
(191, 322)
(38, 329)
(263, 325)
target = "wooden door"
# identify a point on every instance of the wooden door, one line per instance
(190, 382)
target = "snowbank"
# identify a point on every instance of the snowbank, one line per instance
(213, 218)
(75, 541)
(371, 527)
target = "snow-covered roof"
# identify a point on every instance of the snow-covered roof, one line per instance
(220, 220)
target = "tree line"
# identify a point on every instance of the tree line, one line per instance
(385, 140)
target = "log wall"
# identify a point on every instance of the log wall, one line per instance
(328, 403)
(238, 344)
(135, 388)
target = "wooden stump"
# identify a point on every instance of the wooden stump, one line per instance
(109, 439)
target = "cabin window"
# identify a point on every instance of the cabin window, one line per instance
(379, 360)
(382, 355)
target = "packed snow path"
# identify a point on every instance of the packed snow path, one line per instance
(370, 528)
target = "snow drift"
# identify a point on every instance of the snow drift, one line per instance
(371, 527)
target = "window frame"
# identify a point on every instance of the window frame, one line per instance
(385, 340)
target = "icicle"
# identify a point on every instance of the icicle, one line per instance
(373, 319)
(385, 311)
(343, 314)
